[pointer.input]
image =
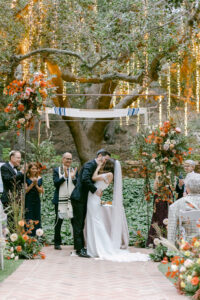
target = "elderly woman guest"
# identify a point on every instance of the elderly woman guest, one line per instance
(190, 202)
(189, 166)
(32, 200)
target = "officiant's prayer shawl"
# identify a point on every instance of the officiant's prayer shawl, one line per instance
(64, 202)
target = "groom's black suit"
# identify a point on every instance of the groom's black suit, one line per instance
(79, 201)
(12, 180)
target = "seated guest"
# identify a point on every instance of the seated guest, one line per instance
(187, 203)
(189, 167)
(180, 187)
(32, 200)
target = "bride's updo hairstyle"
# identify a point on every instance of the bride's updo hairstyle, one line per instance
(109, 166)
(192, 181)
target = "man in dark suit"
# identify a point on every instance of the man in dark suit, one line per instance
(79, 199)
(60, 176)
(12, 180)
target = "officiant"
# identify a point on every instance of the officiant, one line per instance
(64, 178)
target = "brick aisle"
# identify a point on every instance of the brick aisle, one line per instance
(64, 277)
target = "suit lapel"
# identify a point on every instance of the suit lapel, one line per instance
(11, 169)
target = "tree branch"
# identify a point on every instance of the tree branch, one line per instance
(17, 58)
(69, 77)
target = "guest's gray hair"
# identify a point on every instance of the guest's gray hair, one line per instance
(190, 162)
(192, 181)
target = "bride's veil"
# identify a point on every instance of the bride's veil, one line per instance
(119, 227)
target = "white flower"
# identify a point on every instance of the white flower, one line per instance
(11, 249)
(182, 269)
(13, 237)
(178, 130)
(173, 142)
(189, 278)
(6, 231)
(156, 241)
(153, 160)
(12, 255)
(21, 121)
(28, 116)
(165, 146)
(188, 263)
(174, 268)
(165, 221)
(16, 257)
(39, 232)
(157, 168)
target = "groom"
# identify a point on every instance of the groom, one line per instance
(79, 199)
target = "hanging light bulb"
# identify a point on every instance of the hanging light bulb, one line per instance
(128, 91)
(197, 79)
(169, 93)
(160, 103)
(186, 118)
(138, 116)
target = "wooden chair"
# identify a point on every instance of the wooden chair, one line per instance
(188, 221)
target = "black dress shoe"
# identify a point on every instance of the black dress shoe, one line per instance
(57, 247)
(82, 253)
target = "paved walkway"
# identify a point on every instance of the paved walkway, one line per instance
(64, 277)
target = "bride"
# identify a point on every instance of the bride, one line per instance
(106, 242)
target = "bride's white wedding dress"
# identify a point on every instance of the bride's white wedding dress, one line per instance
(100, 243)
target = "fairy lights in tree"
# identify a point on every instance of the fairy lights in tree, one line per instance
(197, 78)
(160, 103)
(169, 92)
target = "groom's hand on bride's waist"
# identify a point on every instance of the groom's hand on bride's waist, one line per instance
(99, 192)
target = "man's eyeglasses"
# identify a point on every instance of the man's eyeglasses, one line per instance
(68, 159)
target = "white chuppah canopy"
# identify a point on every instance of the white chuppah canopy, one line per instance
(98, 113)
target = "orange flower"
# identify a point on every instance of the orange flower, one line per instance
(21, 223)
(25, 237)
(18, 133)
(195, 280)
(158, 140)
(139, 233)
(42, 254)
(19, 248)
(162, 134)
(165, 260)
(20, 107)
(18, 125)
(7, 109)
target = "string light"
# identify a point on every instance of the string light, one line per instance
(186, 118)
(197, 79)
(178, 81)
(160, 103)
(13, 4)
(128, 91)
(169, 93)
(138, 103)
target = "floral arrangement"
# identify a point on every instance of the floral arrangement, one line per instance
(185, 268)
(162, 152)
(27, 98)
(140, 239)
(22, 245)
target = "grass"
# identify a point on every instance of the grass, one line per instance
(163, 269)
(9, 267)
